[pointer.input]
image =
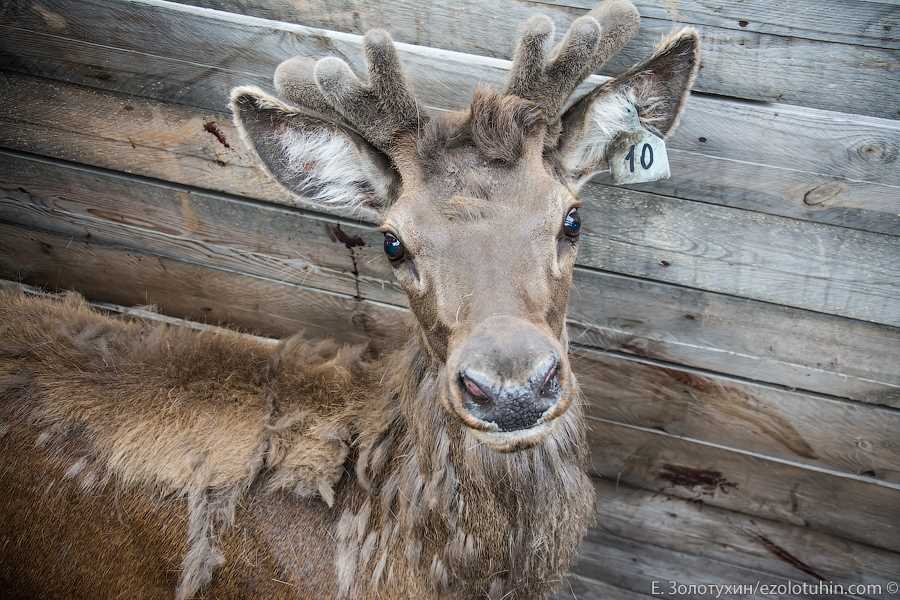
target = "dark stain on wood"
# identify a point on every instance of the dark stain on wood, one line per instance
(706, 481)
(100, 75)
(336, 234)
(351, 242)
(783, 555)
(695, 382)
(745, 408)
(795, 502)
(132, 220)
(213, 128)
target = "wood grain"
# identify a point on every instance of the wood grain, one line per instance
(636, 526)
(826, 269)
(858, 439)
(742, 61)
(262, 240)
(806, 265)
(676, 324)
(125, 276)
(856, 22)
(854, 508)
(171, 142)
(103, 42)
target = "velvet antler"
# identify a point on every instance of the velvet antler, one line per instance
(381, 110)
(548, 79)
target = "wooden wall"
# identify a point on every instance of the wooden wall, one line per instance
(737, 327)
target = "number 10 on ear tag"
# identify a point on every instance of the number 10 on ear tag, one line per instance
(638, 157)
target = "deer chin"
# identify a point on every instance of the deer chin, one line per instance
(514, 441)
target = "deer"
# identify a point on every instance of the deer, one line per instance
(141, 460)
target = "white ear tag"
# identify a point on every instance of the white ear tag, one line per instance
(638, 156)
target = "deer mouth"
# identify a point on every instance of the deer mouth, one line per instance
(514, 441)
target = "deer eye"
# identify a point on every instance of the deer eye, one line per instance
(393, 247)
(572, 224)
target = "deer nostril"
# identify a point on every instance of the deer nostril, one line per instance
(551, 379)
(478, 395)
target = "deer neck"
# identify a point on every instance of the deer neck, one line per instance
(435, 505)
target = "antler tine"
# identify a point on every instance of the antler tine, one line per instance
(382, 110)
(296, 83)
(591, 41)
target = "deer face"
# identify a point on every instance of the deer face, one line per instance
(479, 208)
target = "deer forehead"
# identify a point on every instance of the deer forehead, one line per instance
(521, 206)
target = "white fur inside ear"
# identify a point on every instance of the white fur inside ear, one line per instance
(327, 167)
(626, 110)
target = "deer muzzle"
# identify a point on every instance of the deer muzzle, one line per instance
(508, 382)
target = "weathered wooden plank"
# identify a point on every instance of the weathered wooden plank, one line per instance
(856, 22)
(134, 135)
(659, 572)
(860, 509)
(721, 333)
(263, 240)
(804, 265)
(766, 342)
(125, 276)
(858, 439)
(844, 506)
(576, 587)
(738, 61)
(205, 53)
(173, 142)
(807, 265)
(766, 546)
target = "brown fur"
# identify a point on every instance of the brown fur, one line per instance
(310, 471)
(140, 459)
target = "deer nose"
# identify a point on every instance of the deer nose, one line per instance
(512, 403)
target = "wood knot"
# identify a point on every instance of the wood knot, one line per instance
(877, 152)
(824, 192)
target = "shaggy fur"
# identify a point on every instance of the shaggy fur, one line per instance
(218, 432)
(148, 461)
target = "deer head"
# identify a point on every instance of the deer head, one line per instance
(479, 207)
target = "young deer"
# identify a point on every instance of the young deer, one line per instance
(453, 466)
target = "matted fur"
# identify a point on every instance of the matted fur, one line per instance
(218, 420)
(175, 413)
(309, 471)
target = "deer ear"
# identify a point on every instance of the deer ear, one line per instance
(312, 156)
(654, 92)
